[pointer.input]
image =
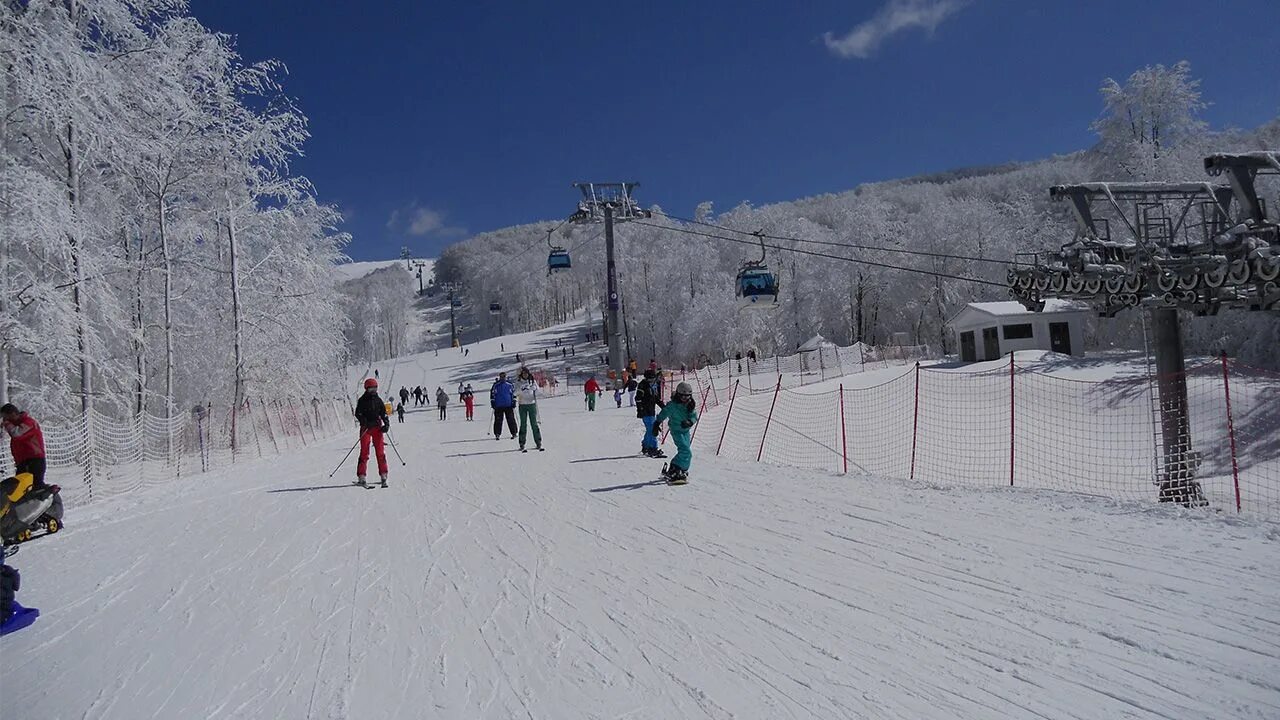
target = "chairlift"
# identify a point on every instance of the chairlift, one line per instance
(558, 258)
(757, 287)
(495, 309)
(456, 303)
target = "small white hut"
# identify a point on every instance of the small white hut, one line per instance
(988, 330)
(811, 353)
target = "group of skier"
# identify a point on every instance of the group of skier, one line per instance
(510, 400)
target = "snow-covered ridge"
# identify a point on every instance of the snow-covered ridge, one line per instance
(356, 270)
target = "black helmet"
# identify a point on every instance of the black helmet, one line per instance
(650, 374)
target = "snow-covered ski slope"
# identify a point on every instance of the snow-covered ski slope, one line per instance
(358, 269)
(486, 583)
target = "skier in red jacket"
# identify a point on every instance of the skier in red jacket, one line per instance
(26, 441)
(592, 388)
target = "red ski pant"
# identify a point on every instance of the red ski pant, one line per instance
(374, 435)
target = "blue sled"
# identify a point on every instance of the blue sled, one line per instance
(21, 617)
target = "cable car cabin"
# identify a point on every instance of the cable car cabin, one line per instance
(559, 260)
(456, 303)
(495, 309)
(757, 288)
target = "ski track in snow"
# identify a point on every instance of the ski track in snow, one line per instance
(500, 586)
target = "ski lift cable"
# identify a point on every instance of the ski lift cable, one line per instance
(813, 253)
(853, 246)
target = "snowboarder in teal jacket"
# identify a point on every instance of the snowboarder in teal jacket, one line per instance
(682, 414)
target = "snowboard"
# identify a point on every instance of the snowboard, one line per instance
(21, 617)
(671, 480)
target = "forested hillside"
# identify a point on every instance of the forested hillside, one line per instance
(903, 256)
(156, 251)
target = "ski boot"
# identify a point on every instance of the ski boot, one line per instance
(384, 480)
(361, 482)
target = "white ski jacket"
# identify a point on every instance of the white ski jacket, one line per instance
(528, 393)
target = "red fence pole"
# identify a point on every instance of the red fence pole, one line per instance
(915, 423)
(1011, 419)
(693, 434)
(732, 395)
(769, 419)
(1231, 429)
(844, 433)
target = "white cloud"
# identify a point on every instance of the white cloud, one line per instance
(425, 221)
(894, 17)
(420, 221)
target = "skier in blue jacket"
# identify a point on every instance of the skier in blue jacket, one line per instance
(682, 413)
(502, 398)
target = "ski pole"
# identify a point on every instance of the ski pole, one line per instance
(396, 449)
(344, 457)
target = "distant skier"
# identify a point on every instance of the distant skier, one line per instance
(528, 396)
(617, 393)
(404, 394)
(648, 400)
(442, 401)
(502, 398)
(632, 385)
(400, 412)
(682, 414)
(592, 389)
(469, 400)
(26, 442)
(371, 413)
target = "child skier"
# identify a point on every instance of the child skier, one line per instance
(617, 394)
(682, 412)
(648, 400)
(528, 397)
(469, 399)
(400, 412)
(371, 413)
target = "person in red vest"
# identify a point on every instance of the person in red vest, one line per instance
(592, 389)
(26, 441)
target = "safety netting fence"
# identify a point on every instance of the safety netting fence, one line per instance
(1208, 436)
(96, 456)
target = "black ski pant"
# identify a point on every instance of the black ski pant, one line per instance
(443, 409)
(498, 414)
(36, 467)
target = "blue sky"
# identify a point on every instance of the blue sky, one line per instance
(433, 120)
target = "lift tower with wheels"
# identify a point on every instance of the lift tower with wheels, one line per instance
(609, 203)
(1196, 247)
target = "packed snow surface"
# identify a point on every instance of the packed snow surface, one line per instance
(486, 583)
